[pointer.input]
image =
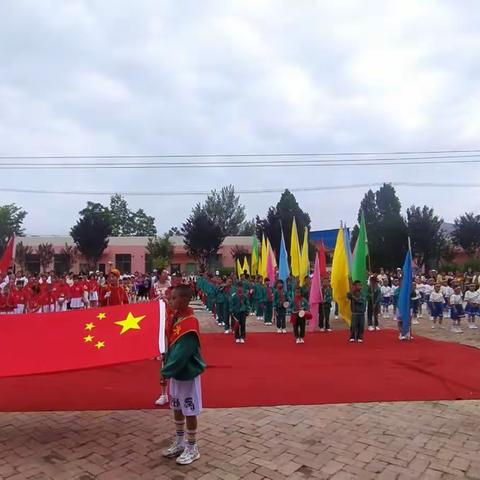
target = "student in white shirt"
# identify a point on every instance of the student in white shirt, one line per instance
(471, 309)
(415, 303)
(428, 289)
(456, 307)
(437, 301)
(386, 298)
(447, 292)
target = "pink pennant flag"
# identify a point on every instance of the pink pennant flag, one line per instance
(315, 294)
(323, 261)
(270, 264)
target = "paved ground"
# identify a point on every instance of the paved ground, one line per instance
(425, 440)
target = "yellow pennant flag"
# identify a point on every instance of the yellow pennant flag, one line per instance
(263, 259)
(304, 262)
(239, 268)
(245, 267)
(340, 278)
(294, 251)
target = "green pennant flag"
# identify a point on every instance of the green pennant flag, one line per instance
(254, 269)
(359, 267)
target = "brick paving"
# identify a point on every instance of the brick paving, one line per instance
(402, 440)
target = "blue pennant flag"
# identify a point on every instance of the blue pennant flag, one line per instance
(283, 270)
(405, 294)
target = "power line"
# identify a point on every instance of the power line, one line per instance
(232, 155)
(425, 160)
(243, 192)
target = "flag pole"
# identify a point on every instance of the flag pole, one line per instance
(409, 316)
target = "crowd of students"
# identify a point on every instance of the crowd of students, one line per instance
(435, 295)
(47, 293)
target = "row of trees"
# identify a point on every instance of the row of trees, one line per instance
(222, 215)
(46, 255)
(388, 231)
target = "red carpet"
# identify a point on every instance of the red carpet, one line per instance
(270, 369)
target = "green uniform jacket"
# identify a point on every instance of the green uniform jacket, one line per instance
(327, 295)
(240, 304)
(374, 295)
(276, 299)
(358, 304)
(184, 360)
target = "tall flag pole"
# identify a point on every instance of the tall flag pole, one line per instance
(7, 258)
(405, 294)
(294, 251)
(315, 297)
(239, 268)
(340, 278)
(359, 265)
(245, 267)
(283, 270)
(254, 263)
(263, 262)
(304, 261)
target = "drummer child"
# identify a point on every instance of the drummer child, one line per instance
(300, 314)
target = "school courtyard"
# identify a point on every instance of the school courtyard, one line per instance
(398, 440)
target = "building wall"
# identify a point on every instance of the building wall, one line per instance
(135, 248)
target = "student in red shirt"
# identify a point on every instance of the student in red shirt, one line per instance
(76, 294)
(92, 286)
(113, 293)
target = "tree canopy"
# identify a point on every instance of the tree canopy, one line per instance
(223, 208)
(11, 223)
(426, 235)
(202, 238)
(466, 232)
(91, 232)
(386, 228)
(160, 251)
(126, 222)
(282, 214)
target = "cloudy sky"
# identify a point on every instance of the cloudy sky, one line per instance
(106, 77)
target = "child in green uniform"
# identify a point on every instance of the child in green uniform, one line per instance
(281, 304)
(258, 297)
(358, 305)
(300, 314)
(325, 307)
(374, 298)
(183, 366)
(267, 302)
(240, 309)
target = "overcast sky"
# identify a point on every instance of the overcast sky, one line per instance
(181, 77)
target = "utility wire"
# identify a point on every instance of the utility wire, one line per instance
(432, 160)
(231, 155)
(243, 192)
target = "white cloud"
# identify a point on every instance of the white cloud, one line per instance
(86, 77)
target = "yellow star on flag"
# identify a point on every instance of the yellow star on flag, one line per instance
(130, 323)
(89, 326)
(88, 338)
(100, 345)
(101, 316)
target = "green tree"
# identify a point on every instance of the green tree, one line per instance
(126, 222)
(282, 214)
(248, 228)
(174, 231)
(46, 253)
(426, 235)
(91, 232)
(70, 253)
(466, 232)
(223, 208)
(11, 221)
(160, 251)
(386, 228)
(21, 254)
(202, 238)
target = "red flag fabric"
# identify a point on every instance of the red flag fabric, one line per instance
(7, 257)
(322, 258)
(54, 342)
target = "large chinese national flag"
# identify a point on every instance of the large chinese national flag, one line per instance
(52, 342)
